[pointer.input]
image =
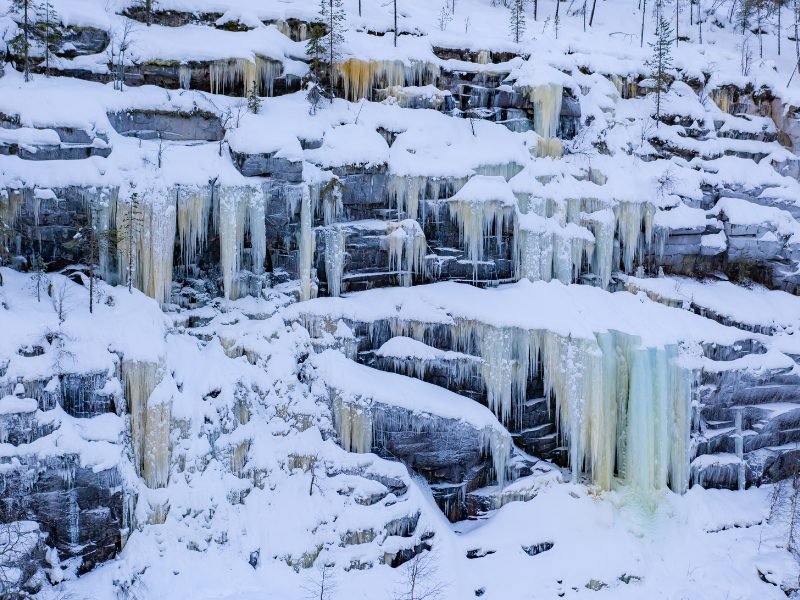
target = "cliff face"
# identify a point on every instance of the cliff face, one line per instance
(484, 275)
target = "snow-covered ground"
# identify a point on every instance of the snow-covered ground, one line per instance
(226, 425)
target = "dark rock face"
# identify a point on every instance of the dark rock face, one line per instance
(763, 409)
(81, 511)
(150, 124)
(46, 226)
(268, 165)
(449, 453)
(443, 450)
(78, 41)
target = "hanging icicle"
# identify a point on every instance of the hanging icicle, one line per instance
(241, 209)
(406, 245)
(335, 243)
(306, 243)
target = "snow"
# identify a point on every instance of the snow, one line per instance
(753, 306)
(231, 438)
(577, 311)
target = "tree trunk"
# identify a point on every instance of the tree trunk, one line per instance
(558, 7)
(26, 44)
(395, 23)
(644, 12)
(591, 18)
(91, 290)
(700, 20)
(332, 37)
(47, 39)
(130, 248)
(677, 21)
(584, 15)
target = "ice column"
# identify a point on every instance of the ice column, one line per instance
(149, 406)
(306, 246)
(241, 208)
(478, 220)
(194, 207)
(154, 245)
(406, 245)
(335, 244)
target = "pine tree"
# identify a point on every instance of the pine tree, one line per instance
(129, 229)
(39, 278)
(147, 7)
(557, 19)
(661, 60)
(644, 12)
(517, 19)
(745, 15)
(48, 31)
(316, 52)
(23, 11)
(331, 13)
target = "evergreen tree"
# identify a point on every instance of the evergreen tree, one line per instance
(661, 60)
(48, 31)
(129, 229)
(745, 15)
(23, 12)
(147, 7)
(331, 13)
(316, 53)
(517, 19)
(39, 278)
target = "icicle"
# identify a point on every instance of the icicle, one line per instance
(739, 448)
(227, 75)
(105, 223)
(546, 108)
(194, 207)
(141, 379)
(239, 455)
(335, 243)
(231, 237)
(360, 77)
(723, 97)
(498, 370)
(603, 225)
(156, 446)
(549, 147)
(406, 245)
(267, 71)
(478, 220)
(632, 217)
(257, 228)
(332, 206)
(306, 246)
(406, 192)
(185, 77)
(533, 254)
(621, 407)
(353, 424)
(10, 206)
(153, 244)
(241, 208)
